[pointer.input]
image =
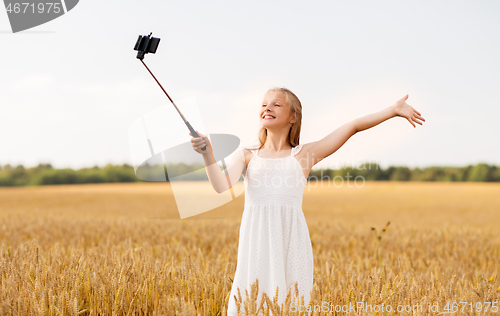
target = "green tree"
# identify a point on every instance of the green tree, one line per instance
(401, 174)
(481, 172)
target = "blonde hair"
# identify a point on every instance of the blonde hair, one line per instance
(296, 107)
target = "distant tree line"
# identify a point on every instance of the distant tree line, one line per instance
(45, 174)
(480, 172)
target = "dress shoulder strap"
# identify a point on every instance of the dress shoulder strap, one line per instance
(296, 149)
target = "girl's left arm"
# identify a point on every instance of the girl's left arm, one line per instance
(317, 151)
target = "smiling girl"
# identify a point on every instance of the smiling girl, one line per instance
(274, 243)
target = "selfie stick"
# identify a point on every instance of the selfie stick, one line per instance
(148, 44)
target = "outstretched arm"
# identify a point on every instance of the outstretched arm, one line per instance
(317, 151)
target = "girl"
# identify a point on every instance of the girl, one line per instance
(274, 244)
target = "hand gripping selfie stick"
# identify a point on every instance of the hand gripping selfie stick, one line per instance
(148, 44)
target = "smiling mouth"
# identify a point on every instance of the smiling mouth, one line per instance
(268, 117)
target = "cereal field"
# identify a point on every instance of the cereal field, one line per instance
(121, 249)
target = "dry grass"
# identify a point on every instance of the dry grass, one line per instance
(119, 249)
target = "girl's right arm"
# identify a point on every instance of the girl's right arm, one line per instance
(217, 177)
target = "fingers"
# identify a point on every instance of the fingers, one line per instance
(415, 120)
(419, 118)
(198, 148)
(197, 142)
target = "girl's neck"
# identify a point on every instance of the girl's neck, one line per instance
(276, 142)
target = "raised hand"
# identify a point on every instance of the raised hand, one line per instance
(403, 109)
(199, 142)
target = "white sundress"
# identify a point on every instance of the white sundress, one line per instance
(274, 243)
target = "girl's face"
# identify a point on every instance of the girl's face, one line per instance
(275, 112)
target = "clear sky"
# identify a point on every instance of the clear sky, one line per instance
(71, 88)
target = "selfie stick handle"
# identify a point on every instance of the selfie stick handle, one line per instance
(182, 116)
